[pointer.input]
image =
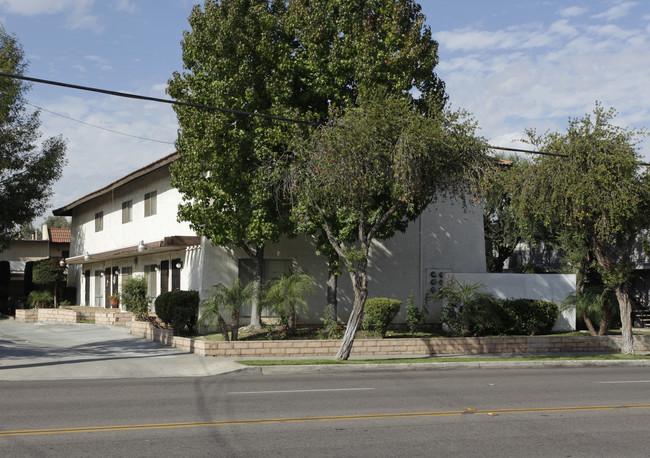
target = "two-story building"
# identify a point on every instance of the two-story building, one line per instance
(130, 227)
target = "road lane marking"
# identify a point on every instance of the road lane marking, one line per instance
(300, 391)
(487, 412)
(626, 381)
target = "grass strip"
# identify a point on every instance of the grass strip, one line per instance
(311, 362)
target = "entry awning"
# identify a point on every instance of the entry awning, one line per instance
(170, 243)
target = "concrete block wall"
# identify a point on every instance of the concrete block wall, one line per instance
(27, 315)
(396, 347)
(114, 318)
(59, 315)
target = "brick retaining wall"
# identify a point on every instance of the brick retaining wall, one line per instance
(396, 347)
(74, 315)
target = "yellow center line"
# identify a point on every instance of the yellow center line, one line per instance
(97, 429)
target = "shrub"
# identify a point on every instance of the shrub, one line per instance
(468, 311)
(134, 296)
(179, 310)
(527, 316)
(415, 316)
(378, 313)
(40, 299)
(286, 295)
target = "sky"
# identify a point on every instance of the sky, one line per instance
(513, 64)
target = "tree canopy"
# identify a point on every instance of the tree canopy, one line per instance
(377, 167)
(28, 167)
(292, 59)
(595, 200)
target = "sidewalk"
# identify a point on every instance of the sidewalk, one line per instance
(47, 351)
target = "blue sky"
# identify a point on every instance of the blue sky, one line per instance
(513, 64)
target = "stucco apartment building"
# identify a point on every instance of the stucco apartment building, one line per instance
(130, 227)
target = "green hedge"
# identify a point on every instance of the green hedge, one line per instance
(178, 309)
(378, 313)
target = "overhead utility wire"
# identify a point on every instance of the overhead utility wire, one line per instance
(99, 127)
(223, 110)
(153, 99)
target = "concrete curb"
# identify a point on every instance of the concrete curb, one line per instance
(443, 366)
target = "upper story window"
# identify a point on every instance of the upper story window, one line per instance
(150, 206)
(99, 221)
(127, 215)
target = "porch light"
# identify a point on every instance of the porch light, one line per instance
(179, 265)
(141, 246)
(62, 262)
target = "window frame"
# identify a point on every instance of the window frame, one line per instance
(150, 204)
(99, 221)
(127, 211)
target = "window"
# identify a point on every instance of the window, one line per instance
(126, 211)
(99, 221)
(150, 206)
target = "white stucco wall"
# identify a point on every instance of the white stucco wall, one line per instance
(549, 287)
(446, 236)
(117, 235)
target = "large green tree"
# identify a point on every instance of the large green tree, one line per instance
(596, 199)
(500, 220)
(28, 166)
(236, 56)
(380, 165)
(294, 58)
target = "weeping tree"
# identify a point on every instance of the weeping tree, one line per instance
(379, 165)
(596, 194)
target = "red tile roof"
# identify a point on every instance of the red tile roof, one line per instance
(59, 235)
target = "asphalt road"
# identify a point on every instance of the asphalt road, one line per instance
(576, 412)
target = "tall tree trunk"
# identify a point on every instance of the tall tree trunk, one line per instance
(625, 306)
(605, 320)
(590, 325)
(258, 276)
(331, 312)
(223, 328)
(360, 286)
(234, 325)
(291, 321)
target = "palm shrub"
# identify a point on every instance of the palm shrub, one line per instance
(226, 299)
(597, 305)
(134, 296)
(285, 295)
(179, 310)
(467, 310)
(378, 313)
(40, 299)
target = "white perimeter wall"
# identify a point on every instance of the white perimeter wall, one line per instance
(548, 287)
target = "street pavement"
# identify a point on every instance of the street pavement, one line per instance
(63, 351)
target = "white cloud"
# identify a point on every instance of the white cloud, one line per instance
(78, 12)
(95, 156)
(539, 76)
(572, 11)
(616, 12)
(125, 5)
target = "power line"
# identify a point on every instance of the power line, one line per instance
(99, 127)
(153, 99)
(223, 110)
(517, 150)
